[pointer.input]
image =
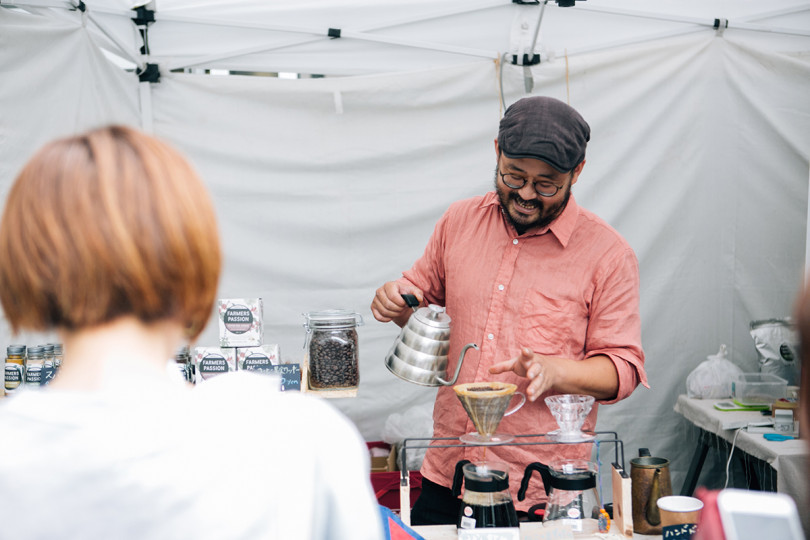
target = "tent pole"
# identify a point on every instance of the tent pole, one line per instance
(145, 93)
(360, 34)
(344, 33)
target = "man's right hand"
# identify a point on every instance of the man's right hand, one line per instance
(388, 304)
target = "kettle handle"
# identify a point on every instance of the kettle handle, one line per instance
(458, 366)
(651, 513)
(411, 300)
(545, 473)
(458, 476)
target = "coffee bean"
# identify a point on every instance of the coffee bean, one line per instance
(333, 358)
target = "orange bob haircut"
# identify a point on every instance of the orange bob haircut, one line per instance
(107, 224)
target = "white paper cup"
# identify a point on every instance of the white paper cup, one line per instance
(679, 510)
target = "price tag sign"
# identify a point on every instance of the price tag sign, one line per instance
(290, 375)
(490, 533)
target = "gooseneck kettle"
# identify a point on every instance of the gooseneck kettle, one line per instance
(419, 354)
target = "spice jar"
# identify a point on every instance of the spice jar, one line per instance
(58, 356)
(15, 368)
(34, 366)
(48, 366)
(331, 349)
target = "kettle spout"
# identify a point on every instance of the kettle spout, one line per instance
(458, 366)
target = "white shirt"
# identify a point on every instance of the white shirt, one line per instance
(232, 459)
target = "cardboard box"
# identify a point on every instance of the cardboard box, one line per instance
(241, 322)
(213, 361)
(379, 463)
(257, 358)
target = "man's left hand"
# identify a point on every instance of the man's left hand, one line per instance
(540, 370)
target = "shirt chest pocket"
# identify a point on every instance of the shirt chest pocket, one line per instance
(552, 325)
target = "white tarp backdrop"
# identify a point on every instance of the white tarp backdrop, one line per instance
(327, 187)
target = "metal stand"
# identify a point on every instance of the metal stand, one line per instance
(520, 440)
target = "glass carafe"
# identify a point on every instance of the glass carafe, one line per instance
(572, 497)
(486, 501)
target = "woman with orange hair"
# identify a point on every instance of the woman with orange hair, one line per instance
(110, 239)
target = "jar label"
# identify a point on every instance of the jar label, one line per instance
(33, 375)
(13, 376)
(48, 372)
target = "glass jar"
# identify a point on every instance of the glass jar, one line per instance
(34, 366)
(15, 368)
(331, 349)
(58, 356)
(48, 366)
(182, 358)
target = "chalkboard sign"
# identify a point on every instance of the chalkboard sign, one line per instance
(290, 375)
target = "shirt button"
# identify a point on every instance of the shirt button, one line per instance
(500, 287)
(491, 336)
(515, 241)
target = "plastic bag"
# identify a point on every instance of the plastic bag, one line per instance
(713, 377)
(777, 343)
(413, 423)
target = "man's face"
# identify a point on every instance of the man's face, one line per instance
(524, 207)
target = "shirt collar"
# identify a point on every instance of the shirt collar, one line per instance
(562, 228)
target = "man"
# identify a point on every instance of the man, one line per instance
(548, 291)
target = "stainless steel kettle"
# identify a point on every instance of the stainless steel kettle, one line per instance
(419, 354)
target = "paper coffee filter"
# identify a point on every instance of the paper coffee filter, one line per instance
(485, 403)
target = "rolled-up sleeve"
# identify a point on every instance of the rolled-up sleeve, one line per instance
(614, 327)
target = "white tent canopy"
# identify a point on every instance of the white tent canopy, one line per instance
(326, 187)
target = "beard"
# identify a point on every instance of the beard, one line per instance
(548, 211)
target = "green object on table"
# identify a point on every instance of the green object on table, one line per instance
(734, 405)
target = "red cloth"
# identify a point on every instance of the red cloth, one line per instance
(709, 525)
(570, 289)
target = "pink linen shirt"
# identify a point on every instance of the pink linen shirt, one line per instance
(573, 293)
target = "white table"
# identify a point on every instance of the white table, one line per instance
(528, 531)
(788, 458)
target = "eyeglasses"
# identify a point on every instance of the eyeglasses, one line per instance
(544, 189)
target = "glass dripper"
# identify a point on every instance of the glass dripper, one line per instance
(570, 411)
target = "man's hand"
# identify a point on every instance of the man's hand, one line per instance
(595, 376)
(388, 304)
(539, 369)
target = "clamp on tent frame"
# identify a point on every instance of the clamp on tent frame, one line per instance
(149, 73)
(143, 18)
(720, 25)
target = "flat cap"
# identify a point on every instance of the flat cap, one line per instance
(544, 128)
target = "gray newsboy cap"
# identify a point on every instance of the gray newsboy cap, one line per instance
(544, 128)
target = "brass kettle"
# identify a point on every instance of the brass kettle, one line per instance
(419, 354)
(649, 478)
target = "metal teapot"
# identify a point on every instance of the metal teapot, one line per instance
(419, 354)
(650, 480)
